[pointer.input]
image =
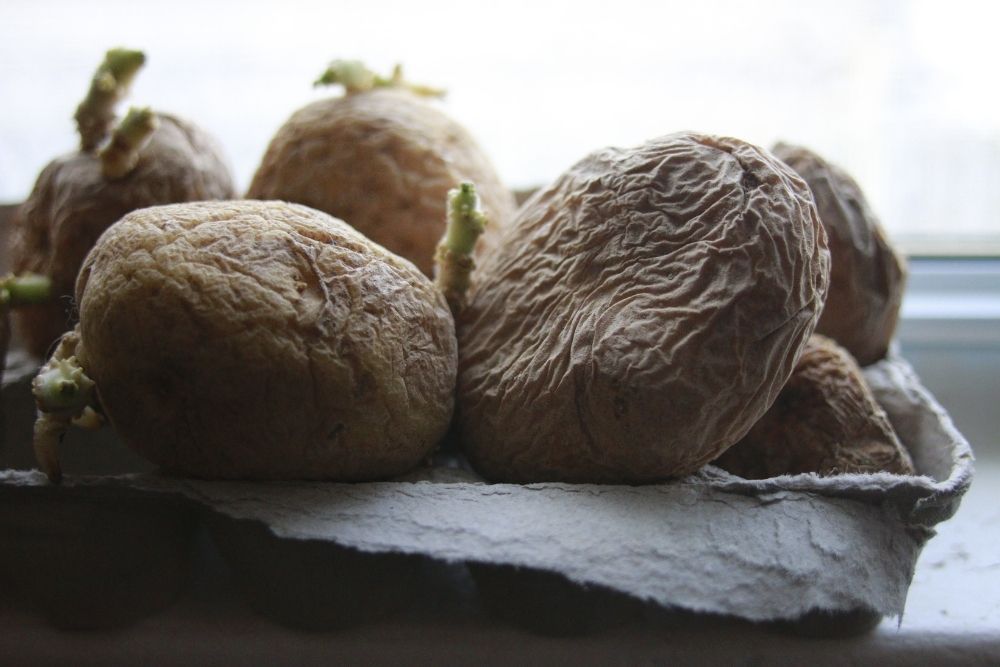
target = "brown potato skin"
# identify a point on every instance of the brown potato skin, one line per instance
(867, 276)
(72, 204)
(640, 314)
(825, 421)
(383, 161)
(264, 340)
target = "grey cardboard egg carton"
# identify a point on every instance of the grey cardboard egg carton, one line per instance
(559, 558)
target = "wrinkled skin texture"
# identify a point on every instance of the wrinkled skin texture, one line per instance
(867, 276)
(72, 204)
(383, 161)
(264, 340)
(825, 421)
(640, 315)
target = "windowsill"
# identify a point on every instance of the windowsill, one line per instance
(952, 302)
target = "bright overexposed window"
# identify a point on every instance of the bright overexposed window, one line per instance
(900, 93)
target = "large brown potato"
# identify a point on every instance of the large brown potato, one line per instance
(640, 314)
(264, 340)
(867, 276)
(825, 421)
(73, 202)
(382, 160)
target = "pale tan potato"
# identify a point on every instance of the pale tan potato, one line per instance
(825, 421)
(72, 203)
(640, 314)
(264, 340)
(867, 275)
(382, 160)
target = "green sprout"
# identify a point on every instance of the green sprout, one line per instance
(355, 77)
(64, 395)
(61, 387)
(120, 156)
(112, 80)
(453, 261)
(23, 290)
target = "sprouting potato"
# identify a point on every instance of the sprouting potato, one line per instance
(148, 159)
(825, 421)
(641, 314)
(255, 340)
(867, 276)
(382, 159)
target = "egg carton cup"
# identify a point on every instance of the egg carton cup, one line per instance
(554, 557)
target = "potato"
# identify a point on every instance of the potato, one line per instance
(825, 421)
(867, 276)
(382, 160)
(261, 340)
(79, 195)
(640, 315)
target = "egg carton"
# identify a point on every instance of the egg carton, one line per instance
(833, 552)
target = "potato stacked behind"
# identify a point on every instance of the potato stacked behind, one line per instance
(867, 275)
(77, 196)
(383, 160)
(825, 421)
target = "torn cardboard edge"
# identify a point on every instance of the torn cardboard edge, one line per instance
(711, 542)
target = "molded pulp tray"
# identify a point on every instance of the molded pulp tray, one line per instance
(768, 550)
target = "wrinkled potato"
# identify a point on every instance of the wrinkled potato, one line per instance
(867, 276)
(263, 340)
(641, 314)
(79, 195)
(382, 160)
(825, 421)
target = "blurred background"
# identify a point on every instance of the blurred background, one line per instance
(900, 93)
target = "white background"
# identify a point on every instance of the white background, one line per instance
(903, 94)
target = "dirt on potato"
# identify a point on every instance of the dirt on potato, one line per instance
(264, 340)
(382, 160)
(641, 314)
(825, 421)
(72, 203)
(867, 275)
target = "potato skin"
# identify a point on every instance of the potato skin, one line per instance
(264, 340)
(383, 161)
(825, 421)
(867, 276)
(72, 204)
(640, 314)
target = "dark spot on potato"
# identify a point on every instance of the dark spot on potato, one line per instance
(749, 180)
